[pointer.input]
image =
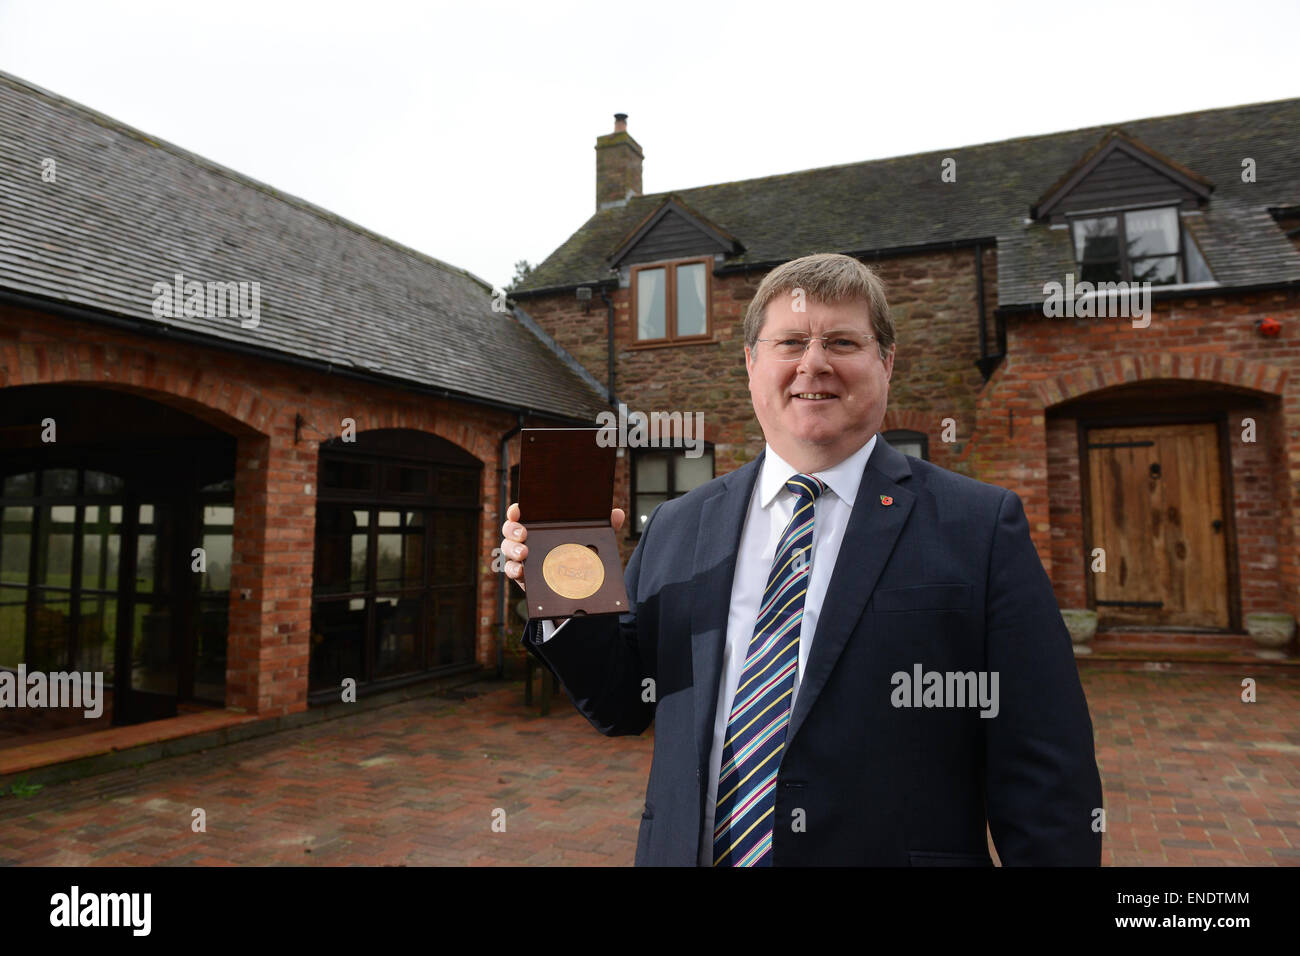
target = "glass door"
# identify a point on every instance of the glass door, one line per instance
(147, 659)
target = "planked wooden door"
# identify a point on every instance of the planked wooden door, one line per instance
(1156, 507)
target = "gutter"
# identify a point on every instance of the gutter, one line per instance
(609, 328)
(1167, 293)
(986, 363)
(881, 253)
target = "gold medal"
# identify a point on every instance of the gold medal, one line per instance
(573, 572)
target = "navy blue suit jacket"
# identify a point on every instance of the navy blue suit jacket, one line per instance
(946, 577)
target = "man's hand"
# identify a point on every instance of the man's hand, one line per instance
(516, 552)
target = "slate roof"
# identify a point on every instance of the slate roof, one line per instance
(901, 203)
(127, 211)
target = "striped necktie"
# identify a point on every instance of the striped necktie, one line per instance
(760, 710)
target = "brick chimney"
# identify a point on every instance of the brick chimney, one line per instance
(618, 165)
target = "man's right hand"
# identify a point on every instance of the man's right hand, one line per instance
(514, 549)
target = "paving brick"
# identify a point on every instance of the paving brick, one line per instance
(417, 783)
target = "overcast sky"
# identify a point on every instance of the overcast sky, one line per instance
(466, 130)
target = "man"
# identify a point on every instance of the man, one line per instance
(851, 657)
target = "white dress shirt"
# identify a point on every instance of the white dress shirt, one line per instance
(770, 508)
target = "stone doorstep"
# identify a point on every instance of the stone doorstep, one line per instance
(1183, 651)
(1213, 641)
(101, 751)
(1185, 661)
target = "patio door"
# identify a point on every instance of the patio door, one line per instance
(1155, 504)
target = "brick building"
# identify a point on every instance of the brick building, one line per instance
(1169, 439)
(248, 450)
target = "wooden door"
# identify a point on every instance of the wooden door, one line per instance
(1156, 507)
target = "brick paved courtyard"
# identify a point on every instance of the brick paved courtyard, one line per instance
(1192, 776)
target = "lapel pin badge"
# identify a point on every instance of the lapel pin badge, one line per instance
(886, 500)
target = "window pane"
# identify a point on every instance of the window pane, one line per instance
(98, 636)
(693, 472)
(101, 483)
(1151, 232)
(458, 484)
(145, 560)
(454, 547)
(400, 554)
(15, 544)
(59, 481)
(1197, 270)
(13, 625)
(397, 633)
(338, 639)
(217, 550)
(644, 507)
(1161, 271)
(54, 550)
(218, 516)
(20, 485)
(1096, 238)
(340, 549)
(453, 627)
(100, 549)
(1100, 272)
(407, 481)
(153, 664)
(155, 551)
(651, 472)
(651, 299)
(347, 475)
(51, 629)
(908, 442)
(210, 656)
(691, 314)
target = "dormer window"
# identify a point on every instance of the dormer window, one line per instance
(1138, 245)
(670, 301)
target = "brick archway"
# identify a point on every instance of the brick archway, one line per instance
(326, 420)
(909, 420)
(1125, 370)
(231, 406)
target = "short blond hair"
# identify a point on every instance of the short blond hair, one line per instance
(829, 278)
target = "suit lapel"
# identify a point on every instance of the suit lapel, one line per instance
(717, 544)
(868, 542)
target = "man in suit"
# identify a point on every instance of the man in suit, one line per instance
(850, 656)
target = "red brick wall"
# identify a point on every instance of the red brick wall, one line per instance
(1064, 491)
(275, 479)
(1255, 474)
(1210, 340)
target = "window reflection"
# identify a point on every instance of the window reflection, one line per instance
(385, 559)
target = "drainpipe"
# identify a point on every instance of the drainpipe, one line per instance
(609, 329)
(503, 586)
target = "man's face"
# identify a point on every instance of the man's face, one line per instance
(817, 411)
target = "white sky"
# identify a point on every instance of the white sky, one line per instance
(465, 130)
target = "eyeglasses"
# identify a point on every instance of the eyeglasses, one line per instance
(791, 348)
